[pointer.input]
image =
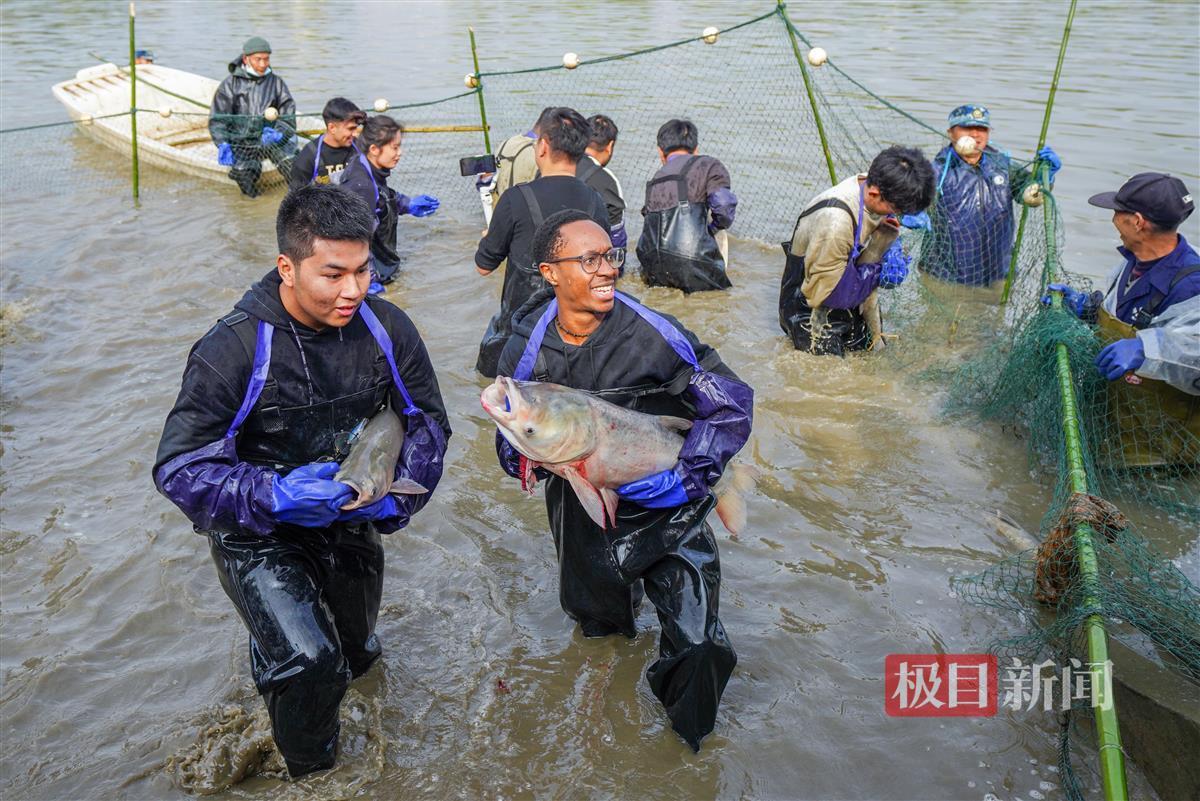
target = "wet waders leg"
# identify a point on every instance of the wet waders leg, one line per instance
(295, 657)
(353, 589)
(695, 657)
(246, 169)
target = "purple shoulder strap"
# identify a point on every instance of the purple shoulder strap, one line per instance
(258, 376)
(385, 344)
(524, 369)
(670, 333)
(317, 158)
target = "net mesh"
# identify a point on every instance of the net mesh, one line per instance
(747, 92)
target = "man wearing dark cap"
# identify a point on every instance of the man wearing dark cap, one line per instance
(242, 134)
(1149, 316)
(971, 236)
(323, 159)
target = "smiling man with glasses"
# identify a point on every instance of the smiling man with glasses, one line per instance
(583, 333)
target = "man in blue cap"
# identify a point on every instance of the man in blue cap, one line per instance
(972, 227)
(1149, 316)
(242, 135)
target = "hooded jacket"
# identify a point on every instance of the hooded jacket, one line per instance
(241, 99)
(627, 362)
(320, 384)
(388, 204)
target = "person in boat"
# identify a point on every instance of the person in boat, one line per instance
(1148, 318)
(689, 207)
(593, 170)
(844, 247)
(269, 399)
(241, 133)
(971, 230)
(143, 57)
(582, 333)
(562, 136)
(323, 159)
(366, 174)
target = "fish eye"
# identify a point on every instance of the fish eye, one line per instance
(529, 431)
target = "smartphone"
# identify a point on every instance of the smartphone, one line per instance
(473, 165)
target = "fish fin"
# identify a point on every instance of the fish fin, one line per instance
(588, 494)
(610, 499)
(675, 423)
(406, 486)
(731, 491)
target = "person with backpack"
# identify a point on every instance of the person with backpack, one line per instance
(593, 170)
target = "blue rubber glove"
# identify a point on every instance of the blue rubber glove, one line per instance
(894, 267)
(919, 221)
(1048, 155)
(382, 508)
(225, 154)
(270, 136)
(422, 205)
(308, 496)
(1073, 300)
(374, 288)
(658, 491)
(1121, 357)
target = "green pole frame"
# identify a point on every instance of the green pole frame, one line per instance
(1062, 52)
(487, 141)
(781, 7)
(133, 102)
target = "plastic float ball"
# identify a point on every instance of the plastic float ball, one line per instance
(271, 114)
(570, 60)
(965, 146)
(1032, 196)
(817, 56)
(710, 34)
(165, 111)
(381, 105)
(470, 81)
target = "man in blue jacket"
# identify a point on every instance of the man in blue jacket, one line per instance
(972, 222)
(269, 399)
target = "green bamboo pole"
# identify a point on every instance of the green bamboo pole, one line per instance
(487, 141)
(812, 98)
(1062, 52)
(133, 101)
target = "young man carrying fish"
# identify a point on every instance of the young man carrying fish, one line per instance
(270, 397)
(584, 334)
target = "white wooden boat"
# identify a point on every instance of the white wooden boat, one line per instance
(176, 137)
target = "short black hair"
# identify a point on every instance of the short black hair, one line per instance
(321, 211)
(604, 130)
(547, 239)
(904, 177)
(378, 131)
(565, 130)
(678, 135)
(339, 109)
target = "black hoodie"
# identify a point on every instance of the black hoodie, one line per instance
(237, 107)
(329, 376)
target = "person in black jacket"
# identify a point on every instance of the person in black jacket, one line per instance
(562, 137)
(269, 399)
(593, 170)
(582, 333)
(243, 136)
(367, 176)
(323, 159)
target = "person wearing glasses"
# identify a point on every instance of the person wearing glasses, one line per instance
(323, 159)
(562, 138)
(845, 246)
(582, 333)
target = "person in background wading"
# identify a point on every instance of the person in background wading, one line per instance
(582, 333)
(562, 137)
(269, 398)
(593, 170)
(242, 135)
(366, 175)
(680, 246)
(845, 246)
(323, 159)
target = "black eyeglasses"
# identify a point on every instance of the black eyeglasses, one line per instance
(590, 262)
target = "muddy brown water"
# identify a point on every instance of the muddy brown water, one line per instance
(123, 669)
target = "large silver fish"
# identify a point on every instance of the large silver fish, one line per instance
(371, 465)
(598, 446)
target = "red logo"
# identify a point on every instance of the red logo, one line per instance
(940, 685)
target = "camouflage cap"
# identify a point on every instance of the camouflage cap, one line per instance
(970, 116)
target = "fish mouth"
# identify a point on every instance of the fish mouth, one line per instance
(501, 400)
(359, 495)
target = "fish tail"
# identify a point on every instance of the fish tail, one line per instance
(731, 491)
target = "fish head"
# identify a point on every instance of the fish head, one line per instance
(547, 423)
